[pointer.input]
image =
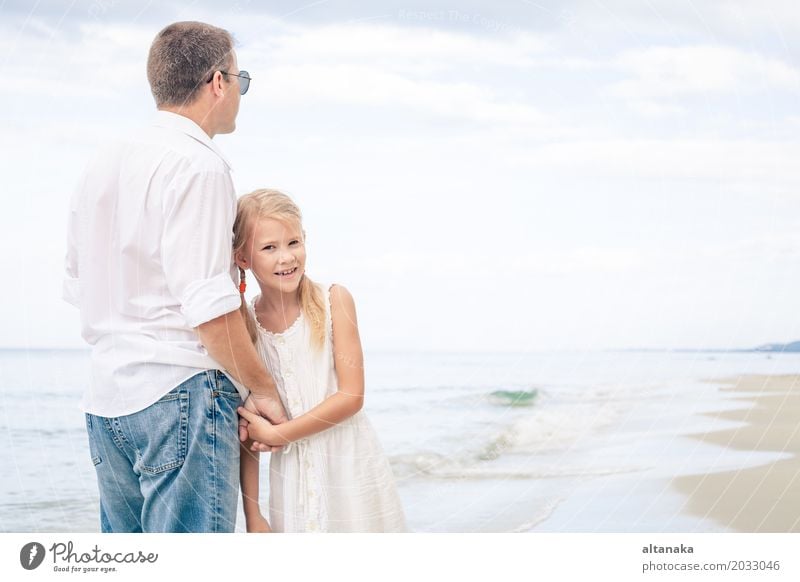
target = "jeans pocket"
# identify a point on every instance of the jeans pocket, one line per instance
(222, 386)
(224, 401)
(163, 432)
(96, 460)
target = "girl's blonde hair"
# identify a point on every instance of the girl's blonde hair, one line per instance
(266, 203)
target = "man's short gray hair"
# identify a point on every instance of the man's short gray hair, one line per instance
(182, 58)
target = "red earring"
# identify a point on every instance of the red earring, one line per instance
(242, 283)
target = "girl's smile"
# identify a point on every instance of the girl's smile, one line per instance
(287, 274)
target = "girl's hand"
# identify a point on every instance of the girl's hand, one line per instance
(244, 431)
(259, 429)
(258, 524)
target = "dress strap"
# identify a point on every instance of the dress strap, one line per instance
(326, 297)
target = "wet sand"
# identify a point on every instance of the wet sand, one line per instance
(764, 498)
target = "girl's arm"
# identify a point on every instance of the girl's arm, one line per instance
(349, 363)
(248, 474)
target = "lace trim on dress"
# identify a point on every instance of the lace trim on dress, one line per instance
(329, 315)
(286, 331)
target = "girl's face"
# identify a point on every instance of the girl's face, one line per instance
(276, 254)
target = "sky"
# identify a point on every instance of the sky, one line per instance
(481, 176)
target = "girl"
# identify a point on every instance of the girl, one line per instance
(331, 474)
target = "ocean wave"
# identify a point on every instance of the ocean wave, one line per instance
(556, 427)
(516, 443)
(433, 465)
(543, 513)
(514, 397)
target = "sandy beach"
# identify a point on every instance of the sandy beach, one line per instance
(764, 498)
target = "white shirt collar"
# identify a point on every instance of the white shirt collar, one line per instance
(181, 123)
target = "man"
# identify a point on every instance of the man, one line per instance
(149, 265)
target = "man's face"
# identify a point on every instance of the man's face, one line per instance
(229, 106)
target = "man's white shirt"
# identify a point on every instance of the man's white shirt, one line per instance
(149, 259)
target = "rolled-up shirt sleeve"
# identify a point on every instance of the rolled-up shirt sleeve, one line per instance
(196, 250)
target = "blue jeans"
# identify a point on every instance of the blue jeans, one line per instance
(174, 466)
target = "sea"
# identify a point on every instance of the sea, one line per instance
(567, 441)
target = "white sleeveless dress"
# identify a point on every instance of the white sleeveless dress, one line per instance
(338, 480)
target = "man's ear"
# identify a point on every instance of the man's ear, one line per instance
(217, 84)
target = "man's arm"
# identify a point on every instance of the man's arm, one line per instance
(228, 342)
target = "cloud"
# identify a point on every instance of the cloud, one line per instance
(413, 49)
(367, 64)
(102, 61)
(365, 85)
(766, 246)
(778, 17)
(611, 24)
(571, 261)
(701, 158)
(665, 73)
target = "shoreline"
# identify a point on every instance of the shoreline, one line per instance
(762, 498)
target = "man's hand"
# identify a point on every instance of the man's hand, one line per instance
(259, 429)
(268, 407)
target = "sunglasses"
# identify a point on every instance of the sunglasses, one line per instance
(244, 80)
